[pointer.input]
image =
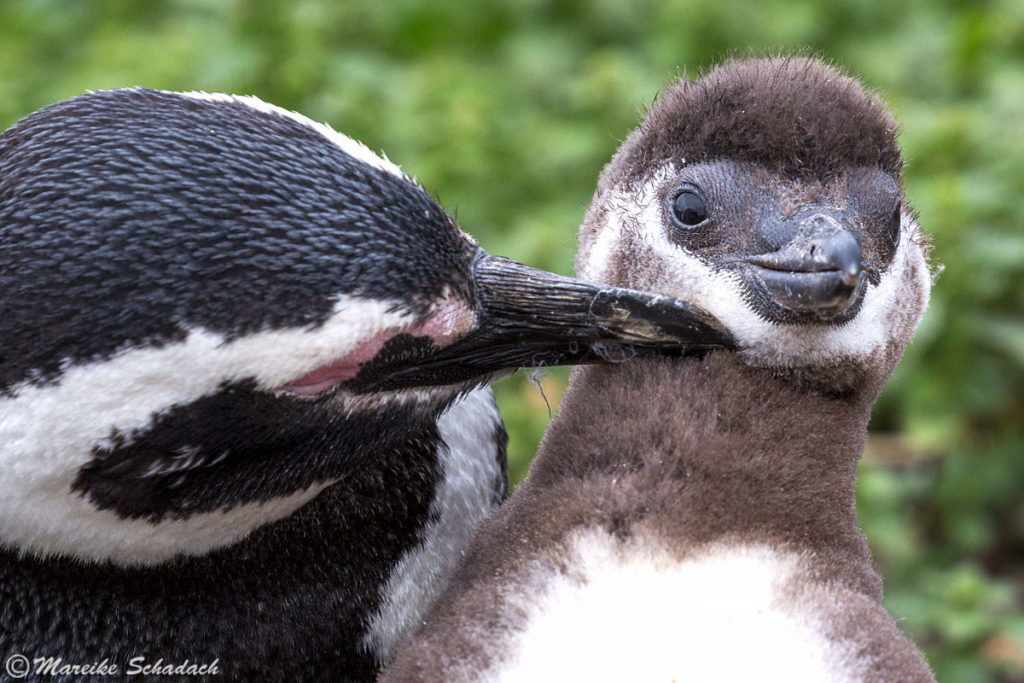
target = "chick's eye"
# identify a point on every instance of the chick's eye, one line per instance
(894, 225)
(689, 209)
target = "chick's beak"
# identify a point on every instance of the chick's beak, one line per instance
(818, 272)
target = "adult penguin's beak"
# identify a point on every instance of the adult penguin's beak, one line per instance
(530, 318)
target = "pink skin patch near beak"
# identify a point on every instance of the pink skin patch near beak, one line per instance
(451, 319)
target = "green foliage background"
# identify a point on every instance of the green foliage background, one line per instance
(508, 110)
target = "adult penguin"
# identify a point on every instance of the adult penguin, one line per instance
(240, 355)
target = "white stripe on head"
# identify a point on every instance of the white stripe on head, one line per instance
(49, 431)
(667, 268)
(353, 148)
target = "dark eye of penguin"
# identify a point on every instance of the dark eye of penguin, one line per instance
(689, 209)
(894, 225)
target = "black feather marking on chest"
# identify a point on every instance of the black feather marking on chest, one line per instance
(289, 602)
(134, 215)
(241, 445)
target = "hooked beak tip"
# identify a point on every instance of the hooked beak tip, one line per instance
(851, 275)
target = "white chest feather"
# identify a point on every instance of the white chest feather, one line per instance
(634, 615)
(469, 458)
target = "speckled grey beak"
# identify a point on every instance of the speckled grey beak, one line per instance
(819, 270)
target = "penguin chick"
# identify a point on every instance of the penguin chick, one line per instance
(693, 519)
(239, 360)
